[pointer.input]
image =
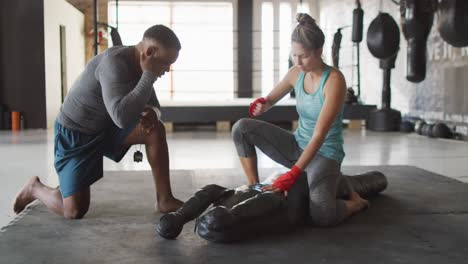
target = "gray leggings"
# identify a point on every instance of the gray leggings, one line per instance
(323, 174)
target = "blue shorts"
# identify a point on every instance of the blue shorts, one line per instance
(79, 157)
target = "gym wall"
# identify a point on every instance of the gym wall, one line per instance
(86, 7)
(22, 69)
(440, 96)
(30, 56)
(60, 13)
(444, 94)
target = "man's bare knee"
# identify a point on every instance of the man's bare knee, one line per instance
(77, 205)
(74, 213)
(157, 134)
(161, 129)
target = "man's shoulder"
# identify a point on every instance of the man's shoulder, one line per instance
(115, 60)
(118, 55)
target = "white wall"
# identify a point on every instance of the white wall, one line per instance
(56, 13)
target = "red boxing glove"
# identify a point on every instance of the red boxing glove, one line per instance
(253, 105)
(287, 180)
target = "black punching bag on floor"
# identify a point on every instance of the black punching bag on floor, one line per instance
(453, 22)
(383, 41)
(417, 17)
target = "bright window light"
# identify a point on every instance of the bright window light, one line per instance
(204, 69)
(267, 48)
(285, 37)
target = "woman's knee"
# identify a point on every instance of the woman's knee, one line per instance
(324, 217)
(239, 128)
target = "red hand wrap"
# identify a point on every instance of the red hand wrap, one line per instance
(287, 180)
(260, 100)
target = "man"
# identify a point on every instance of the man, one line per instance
(111, 107)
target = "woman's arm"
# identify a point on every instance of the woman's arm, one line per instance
(334, 96)
(285, 86)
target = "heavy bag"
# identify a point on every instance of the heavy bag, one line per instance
(441, 130)
(406, 126)
(336, 48)
(453, 22)
(418, 125)
(267, 212)
(417, 17)
(261, 214)
(170, 225)
(358, 14)
(383, 36)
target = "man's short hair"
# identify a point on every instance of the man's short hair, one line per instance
(163, 35)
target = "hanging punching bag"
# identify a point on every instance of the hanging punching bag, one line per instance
(453, 22)
(336, 48)
(417, 17)
(358, 14)
(383, 36)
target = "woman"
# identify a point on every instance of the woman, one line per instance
(316, 147)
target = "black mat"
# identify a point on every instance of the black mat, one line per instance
(421, 218)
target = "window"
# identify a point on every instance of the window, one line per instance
(277, 22)
(205, 67)
(267, 47)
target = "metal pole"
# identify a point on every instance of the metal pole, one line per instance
(95, 28)
(358, 72)
(117, 14)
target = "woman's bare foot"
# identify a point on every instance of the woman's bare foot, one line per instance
(168, 205)
(357, 202)
(25, 196)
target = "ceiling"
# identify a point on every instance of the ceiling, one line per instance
(83, 5)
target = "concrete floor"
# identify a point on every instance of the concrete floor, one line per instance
(30, 153)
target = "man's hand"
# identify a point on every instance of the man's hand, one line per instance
(148, 120)
(149, 62)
